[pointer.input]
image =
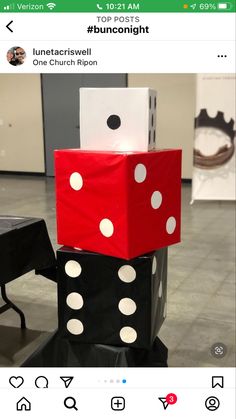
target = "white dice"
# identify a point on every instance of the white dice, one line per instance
(118, 119)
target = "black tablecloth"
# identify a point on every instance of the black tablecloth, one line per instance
(60, 352)
(24, 246)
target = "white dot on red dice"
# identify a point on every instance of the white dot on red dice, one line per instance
(128, 334)
(140, 173)
(156, 199)
(75, 327)
(76, 181)
(73, 268)
(75, 301)
(170, 225)
(106, 227)
(160, 290)
(127, 273)
(154, 265)
(127, 306)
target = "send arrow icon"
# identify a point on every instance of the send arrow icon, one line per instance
(164, 402)
(67, 381)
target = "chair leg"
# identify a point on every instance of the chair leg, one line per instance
(10, 304)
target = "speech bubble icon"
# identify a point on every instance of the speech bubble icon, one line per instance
(41, 382)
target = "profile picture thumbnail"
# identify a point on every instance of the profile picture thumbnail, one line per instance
(16, 56)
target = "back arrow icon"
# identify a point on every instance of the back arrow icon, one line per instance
(8, 26)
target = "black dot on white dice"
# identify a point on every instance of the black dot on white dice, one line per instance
(127, 273)
(113, 122)
(152, 120)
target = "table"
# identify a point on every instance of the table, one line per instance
(24, 246)
(57, 351)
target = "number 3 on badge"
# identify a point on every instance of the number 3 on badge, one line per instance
(171, 398)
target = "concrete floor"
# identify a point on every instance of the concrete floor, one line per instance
(201, 280)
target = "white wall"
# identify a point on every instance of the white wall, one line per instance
(21, 123)
(175, 112)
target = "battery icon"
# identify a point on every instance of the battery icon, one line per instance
(224, 6)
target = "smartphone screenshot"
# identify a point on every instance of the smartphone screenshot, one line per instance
(117, 209)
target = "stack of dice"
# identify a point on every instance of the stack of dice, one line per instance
(118, 209)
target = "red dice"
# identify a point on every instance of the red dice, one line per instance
(118, 204)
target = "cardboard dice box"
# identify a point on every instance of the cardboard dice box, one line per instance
(107, 300)
(123, 119)
(118, 204)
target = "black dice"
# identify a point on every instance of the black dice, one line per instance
(112, 301)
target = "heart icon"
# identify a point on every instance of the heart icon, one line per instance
(16, 381)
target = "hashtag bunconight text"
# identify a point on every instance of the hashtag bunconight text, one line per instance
(135, 30)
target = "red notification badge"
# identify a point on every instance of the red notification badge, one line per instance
(171, 398)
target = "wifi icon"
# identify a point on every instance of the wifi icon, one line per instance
(51, 5)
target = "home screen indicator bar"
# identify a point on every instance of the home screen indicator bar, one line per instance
(105, 6)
